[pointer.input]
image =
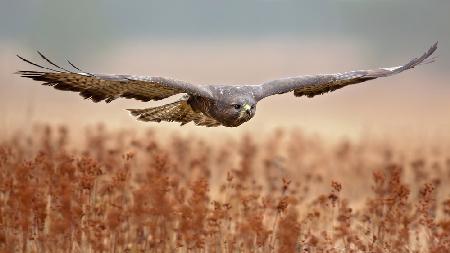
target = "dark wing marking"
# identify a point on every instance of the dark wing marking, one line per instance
(179, 111)
(50, 62)
(99, 87)
(312, 85)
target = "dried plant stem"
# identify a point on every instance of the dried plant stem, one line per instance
(274, 227)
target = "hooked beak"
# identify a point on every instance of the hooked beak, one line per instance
(246, 109)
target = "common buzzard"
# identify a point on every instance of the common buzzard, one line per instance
(205, 105)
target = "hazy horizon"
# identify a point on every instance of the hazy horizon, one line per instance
(235, 43)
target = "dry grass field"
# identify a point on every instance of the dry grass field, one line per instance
(285, 191)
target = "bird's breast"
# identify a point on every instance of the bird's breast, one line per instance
(200, 104)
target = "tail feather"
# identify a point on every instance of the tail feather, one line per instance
(179, 111)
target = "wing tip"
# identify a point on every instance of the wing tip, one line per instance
(435, 45)
(424, 59)
(22, 58)
(433, 48)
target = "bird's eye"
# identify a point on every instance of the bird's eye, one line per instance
(237, 106)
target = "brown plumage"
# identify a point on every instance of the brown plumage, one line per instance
(205, 105)
(179, 111)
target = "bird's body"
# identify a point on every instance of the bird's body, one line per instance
(205, 105)
(231, 105)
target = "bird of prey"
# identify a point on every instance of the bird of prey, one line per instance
(205, 105)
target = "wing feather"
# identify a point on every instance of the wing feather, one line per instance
(312, 85)
(102, 87)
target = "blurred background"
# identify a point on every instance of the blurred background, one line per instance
(235, 42)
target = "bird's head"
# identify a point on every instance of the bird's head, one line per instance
(240, 110)
(243, 110)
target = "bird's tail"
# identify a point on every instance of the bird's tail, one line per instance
(169, 112)
(179, 111)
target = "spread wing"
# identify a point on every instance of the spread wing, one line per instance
(312, 85)
(179, 111)
(99, 87)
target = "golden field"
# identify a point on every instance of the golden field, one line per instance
(284, 191)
